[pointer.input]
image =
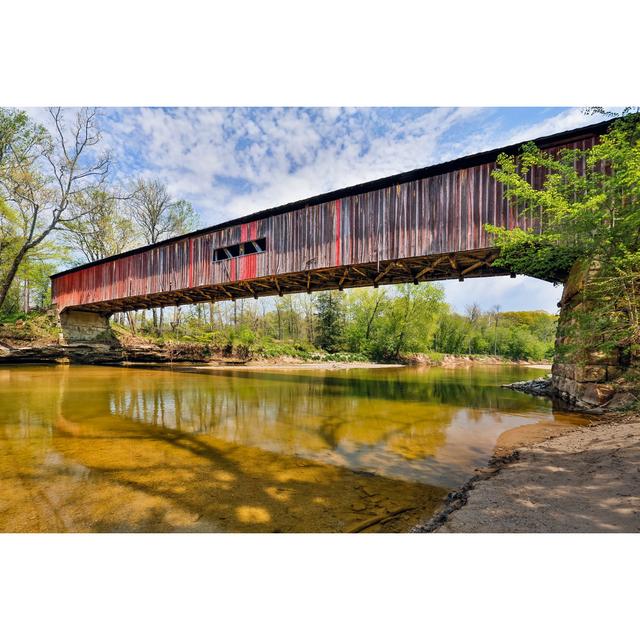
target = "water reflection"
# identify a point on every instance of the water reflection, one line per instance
(92, 448)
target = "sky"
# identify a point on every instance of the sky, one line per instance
(230, 162)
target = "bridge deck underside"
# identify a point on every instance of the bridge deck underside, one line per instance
(460, 265)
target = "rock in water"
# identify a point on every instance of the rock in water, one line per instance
(537, 387)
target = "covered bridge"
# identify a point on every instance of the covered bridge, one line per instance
(426, 224)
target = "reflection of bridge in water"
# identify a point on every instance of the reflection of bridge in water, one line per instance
(427, 224)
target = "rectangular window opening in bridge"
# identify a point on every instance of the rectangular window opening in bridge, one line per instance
(242, 249)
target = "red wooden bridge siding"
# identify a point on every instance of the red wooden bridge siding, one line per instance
(436, 214)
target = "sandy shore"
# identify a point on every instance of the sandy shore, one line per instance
(586, 480)
(284, 364)
(267, 364)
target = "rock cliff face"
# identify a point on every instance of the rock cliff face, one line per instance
(87, 338)
(586, 376)
(99, 353)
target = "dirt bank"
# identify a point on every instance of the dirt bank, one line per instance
(466, 361)
(277, 364)
(586, 479)
(129, 350)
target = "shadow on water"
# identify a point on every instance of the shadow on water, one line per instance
(109, 449)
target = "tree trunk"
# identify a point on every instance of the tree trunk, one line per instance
(370, 323)
(176, 319)
(26, 303)
(132, 322)
(11, 274)
(279, 322)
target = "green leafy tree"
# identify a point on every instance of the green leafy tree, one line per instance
(330, 321)
(43, 179)
(365, 309)
(586, 211)
(450, 335)
(409, 320)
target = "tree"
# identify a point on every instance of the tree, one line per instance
(585, 206)
(365, 310)
(33, 274)
(409, 320)
(16, 133)
(451, 334)
(105, 230)
(44, 178)
(495, 314)
(474, 312)
(330, 325)
(157, 215)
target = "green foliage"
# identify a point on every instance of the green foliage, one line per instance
(30, 287)
(27, 327)
(517, 335)
(586, 207)
(44, 180)
(538, 256)
(384, 324)
(522, 345)
(330, 315)
(408, 321)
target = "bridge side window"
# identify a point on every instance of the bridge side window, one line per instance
(240, 249)
(254, 246)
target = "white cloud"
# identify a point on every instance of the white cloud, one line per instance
(566, 120)
(278, 155)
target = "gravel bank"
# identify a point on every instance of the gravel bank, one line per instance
(587, 480)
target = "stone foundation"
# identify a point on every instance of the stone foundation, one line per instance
(586, 377)
(588, 385)
(85, 326)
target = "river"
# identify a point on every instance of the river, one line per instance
(116, 449)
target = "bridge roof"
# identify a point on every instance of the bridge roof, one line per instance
(380, 183)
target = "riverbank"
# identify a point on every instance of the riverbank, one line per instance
(130, 350)
(554, 479)
(275, 364)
